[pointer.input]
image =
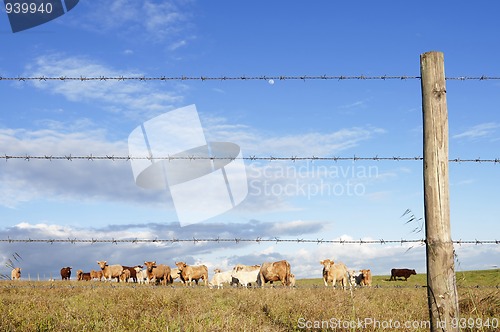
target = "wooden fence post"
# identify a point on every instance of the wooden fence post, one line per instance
(441, 282)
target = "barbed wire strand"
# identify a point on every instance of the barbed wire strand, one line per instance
(61, 284)
(83, 78)
(240, 240)
(92, 157)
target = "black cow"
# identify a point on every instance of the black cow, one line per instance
(404, 273)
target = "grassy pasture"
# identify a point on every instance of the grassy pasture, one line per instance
(92, 306)
(490, 278)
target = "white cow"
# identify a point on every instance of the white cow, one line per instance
(142, 275)
(220, 278)
(246, 277)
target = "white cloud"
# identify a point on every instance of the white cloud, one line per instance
(22, 180)
(84, 137)
(307, 144)
(136, 101)
(356, 104)
(479, 131)
(136, 20)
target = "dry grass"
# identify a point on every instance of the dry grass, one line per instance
(92, 306)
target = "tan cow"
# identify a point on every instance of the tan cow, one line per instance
(80, 275)
(367, 278)
(95, 274)
(270, 272)
(15, 274)
(188, 273)
(125, 276)
(333, 272)
(110, 271)
(158, 272)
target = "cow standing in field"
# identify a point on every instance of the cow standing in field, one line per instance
(246, 278)
(142, 275)
(270, 272)
(158, 272)
(15, 274)
(95, 275)
(80, 275)
(110, 271)
(133, 272)
(66, 273)
(245, 268)
(333, 272)
(220, 278)
(401, 273)
(367, 277)
(125, 276)
(188, 273)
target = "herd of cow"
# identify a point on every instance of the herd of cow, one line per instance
(244, 275)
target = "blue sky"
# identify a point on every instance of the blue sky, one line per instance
(99, 199)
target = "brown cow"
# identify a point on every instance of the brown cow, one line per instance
(404, 273)
(66, 273)
(333, 272)
(110, 271)
(367, 278)
(80, 275)
(158, 272)
(15, 274)
(188, 273)
(270, 272)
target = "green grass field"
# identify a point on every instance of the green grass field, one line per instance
(104, 306)
(490, 278)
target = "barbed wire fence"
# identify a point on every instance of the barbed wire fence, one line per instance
(195, 240)
(83, 78)
(92, 157)
(242, 240)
